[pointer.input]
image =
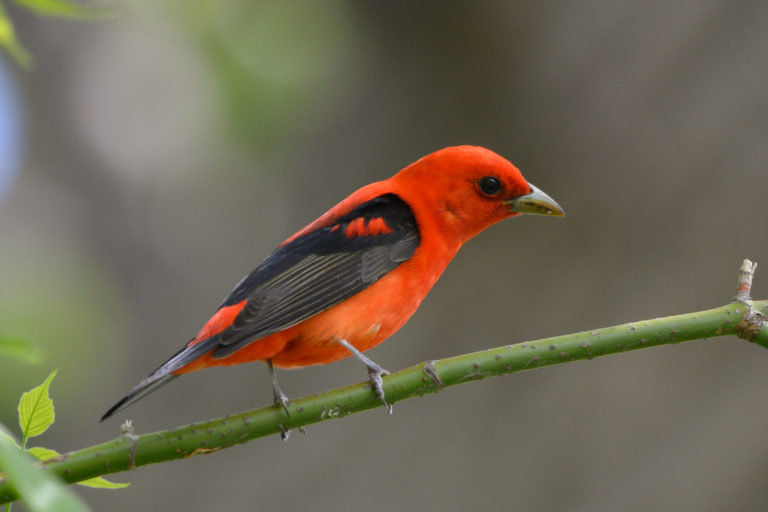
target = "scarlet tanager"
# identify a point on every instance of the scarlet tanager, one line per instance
(353, 277)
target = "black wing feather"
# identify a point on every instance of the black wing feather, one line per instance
(293, 283)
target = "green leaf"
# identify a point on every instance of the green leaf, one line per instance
(63, 9)
(10, 43)
(102, 483)
(41, 453)
(36, 410)
(40, 490)
(20, 349)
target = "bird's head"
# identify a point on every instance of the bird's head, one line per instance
(471, 188)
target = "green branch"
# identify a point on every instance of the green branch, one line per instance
(743, 318)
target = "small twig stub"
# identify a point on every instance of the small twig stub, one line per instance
(750, 324)
(744, 287)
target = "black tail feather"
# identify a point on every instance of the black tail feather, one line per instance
(144, 388)
(164, 374)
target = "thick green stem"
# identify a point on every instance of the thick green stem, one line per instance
(744, 318)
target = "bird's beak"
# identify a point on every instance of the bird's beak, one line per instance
(535, 203)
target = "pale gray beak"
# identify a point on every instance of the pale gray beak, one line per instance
(535, 203)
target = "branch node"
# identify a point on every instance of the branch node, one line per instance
(750, 324)
(744, 287)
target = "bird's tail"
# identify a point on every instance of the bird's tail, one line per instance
(164, 374)
(144, 388)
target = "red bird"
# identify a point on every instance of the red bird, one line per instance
(353, 277)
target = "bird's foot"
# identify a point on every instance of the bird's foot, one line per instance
(282, 400)
(375, 373)
(279, 398)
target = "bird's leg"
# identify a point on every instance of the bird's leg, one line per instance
(375, 372)
(279, 398)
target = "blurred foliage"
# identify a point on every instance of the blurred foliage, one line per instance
(20, 349)
(63, 9)
(41, 491)
(271, 59)
(9, 41)
(36, 415)
(55, 8)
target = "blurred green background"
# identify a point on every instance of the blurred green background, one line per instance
(151, 160)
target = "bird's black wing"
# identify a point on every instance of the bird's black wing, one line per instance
(320, 269)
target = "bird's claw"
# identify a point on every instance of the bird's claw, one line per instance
(284, 433)
(375, 373)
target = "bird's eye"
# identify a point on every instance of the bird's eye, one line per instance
(490, 186)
